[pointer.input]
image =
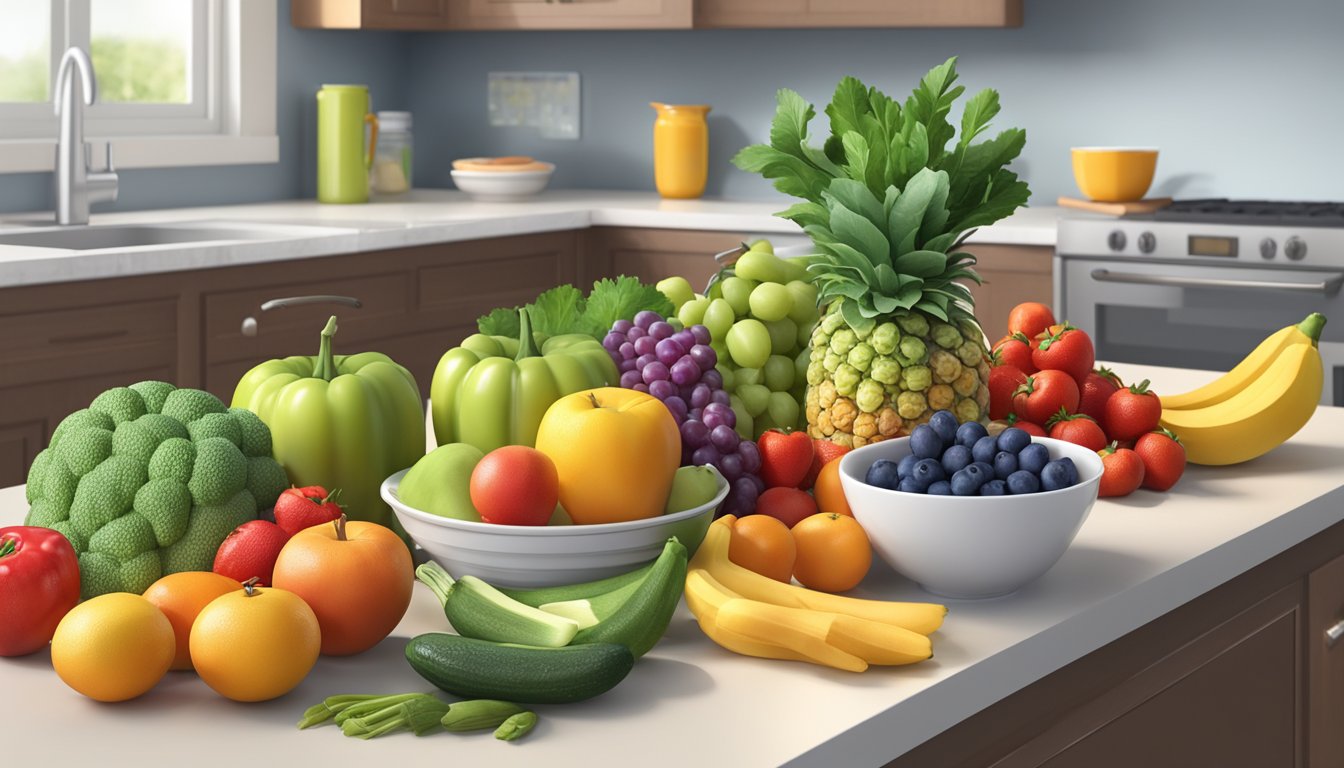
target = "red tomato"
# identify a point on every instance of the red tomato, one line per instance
(785, 458)
(1065, 348)
(1043, 394)
(515, 485)
(1076, 428)
(1015, 350)
(1003, 382)
(1163, 459)
(788, 505)
(39, 584)
(1095, 390)
(1121, 471)
(1132, 412)
(1030, 318)
(1030, 427)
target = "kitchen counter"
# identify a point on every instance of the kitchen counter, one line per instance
(690, 702)
(422, 217)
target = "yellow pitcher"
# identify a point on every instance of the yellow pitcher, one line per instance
(680, 149)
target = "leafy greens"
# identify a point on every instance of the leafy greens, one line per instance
(564, 309)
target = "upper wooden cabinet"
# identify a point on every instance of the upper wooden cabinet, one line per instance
(651, 14)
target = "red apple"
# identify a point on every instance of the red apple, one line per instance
(251, 550)
(788, 505)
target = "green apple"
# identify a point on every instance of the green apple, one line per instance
(691, 487)
(440, 482)
(782, 409)
(560, 516)
(738, 290)
(677, 289)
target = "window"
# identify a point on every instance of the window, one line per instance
(174, 85)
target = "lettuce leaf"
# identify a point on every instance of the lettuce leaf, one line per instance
(564, 309)
(619, 299)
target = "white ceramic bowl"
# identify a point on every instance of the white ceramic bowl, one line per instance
(502, 186)
(969, 547)
(548, 555)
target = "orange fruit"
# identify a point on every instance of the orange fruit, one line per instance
(823, 453)
(255, 643)
(113, 647)
(833, 552)
(830, 496)
(763, 544)
(181, 596)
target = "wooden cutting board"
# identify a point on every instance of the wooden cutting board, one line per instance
(1116, 209)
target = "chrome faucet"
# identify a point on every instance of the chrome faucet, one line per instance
(76, 185)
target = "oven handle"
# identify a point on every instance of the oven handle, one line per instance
(1326, 287)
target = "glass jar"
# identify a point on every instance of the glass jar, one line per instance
(391, 172)
(680, 149)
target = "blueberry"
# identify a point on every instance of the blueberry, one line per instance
(911, 485)
(985, 448)
(940, 488)
(994, 487)
(925, 443)
(1073, 470)
(963, 484)
(945, 424)
(1055, 476)
(928, 471)
(1005, 464)
(1033, 458)
(1014, 440)
(883, 474)
(955, 458)
(986, 469)
(907, 465)
(969, 432)
(1023, 481)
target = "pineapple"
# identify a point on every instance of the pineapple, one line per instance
(886, 203)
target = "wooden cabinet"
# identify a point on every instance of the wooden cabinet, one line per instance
(1012, 274)
(764, 14)
(1325, 664)
(370, 14)
(653, 254)
(570, 14)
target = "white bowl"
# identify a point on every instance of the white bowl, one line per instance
(502, 186)
(548, 555)
(969, 547)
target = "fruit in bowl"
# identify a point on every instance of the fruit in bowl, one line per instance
(971, 546)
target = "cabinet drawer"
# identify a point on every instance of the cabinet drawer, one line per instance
(477, 278)
(63, 344)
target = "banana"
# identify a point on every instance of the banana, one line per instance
(1252, 367)
(1263, 414)
(712, 555)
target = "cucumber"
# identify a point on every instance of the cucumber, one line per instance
(582, 591)
(642, 620)
(478, 610)
(588, 611)
(480, 669)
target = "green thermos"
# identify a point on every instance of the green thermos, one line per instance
(342, 160)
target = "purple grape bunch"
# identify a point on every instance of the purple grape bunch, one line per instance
(678, 368)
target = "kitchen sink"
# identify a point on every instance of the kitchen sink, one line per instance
(109, 236)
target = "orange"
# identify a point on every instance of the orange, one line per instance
(833, 552)
(763, 544)
(357, 578)
(181, 596)
(255, 643)
(830, 496)
(113, 647)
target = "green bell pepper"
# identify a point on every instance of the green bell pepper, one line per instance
(492, 391)
(339, 421)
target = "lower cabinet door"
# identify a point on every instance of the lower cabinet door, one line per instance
(1325, 665)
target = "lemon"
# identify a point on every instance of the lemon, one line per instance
(113, 647)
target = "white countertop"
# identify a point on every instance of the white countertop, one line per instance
(691, 703)
(421, 217)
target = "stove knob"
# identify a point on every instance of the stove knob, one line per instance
(1147, 243)
(1294, 248)
(1116, 240)
(1267, 248)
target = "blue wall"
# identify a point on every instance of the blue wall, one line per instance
(1243, 98)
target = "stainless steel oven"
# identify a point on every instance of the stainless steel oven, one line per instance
(1201, 292)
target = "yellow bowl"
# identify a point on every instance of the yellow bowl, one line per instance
(1114, 174)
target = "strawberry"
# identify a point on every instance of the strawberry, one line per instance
(1077, 428)
(1064, 348)
(823, 451)
(1163, 459)
(1015, 350)
(1043, 394)
(1003, 382)
(1094, 390)
(785, 458)
(299, 508)
(251, 551)
(1132, 411)
(1121, 471)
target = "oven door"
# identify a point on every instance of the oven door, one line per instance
(1206, 317)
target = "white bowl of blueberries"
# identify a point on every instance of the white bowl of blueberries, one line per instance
(969, 515)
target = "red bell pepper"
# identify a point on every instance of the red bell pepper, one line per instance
(39, 584)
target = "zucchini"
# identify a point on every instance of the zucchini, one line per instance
(588, 611)
(478, 610)
(480, 669)
(642, 620)
(582, 591)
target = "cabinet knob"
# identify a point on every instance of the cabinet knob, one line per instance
(1333, 634)
(249, 326)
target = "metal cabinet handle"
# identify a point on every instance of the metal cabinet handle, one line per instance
(1333, 634)
(250, 323)
(1327, 287)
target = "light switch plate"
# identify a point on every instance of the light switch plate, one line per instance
(547, 101)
